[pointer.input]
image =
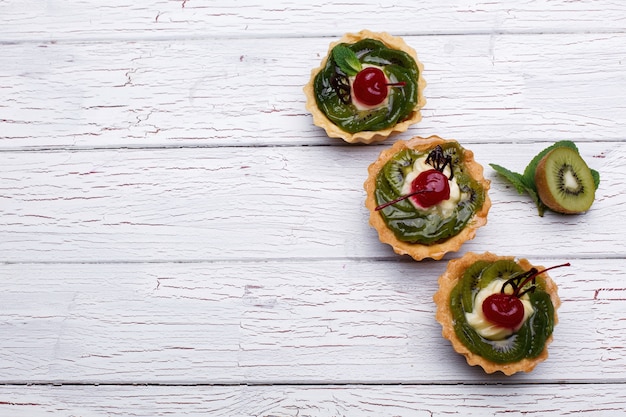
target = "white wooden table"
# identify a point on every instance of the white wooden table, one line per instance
(177, 238)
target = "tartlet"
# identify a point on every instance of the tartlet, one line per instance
(330, 91)
(505, 348)
(410, 228)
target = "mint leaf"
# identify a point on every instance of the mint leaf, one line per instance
(541, 208)
(596, 177)
(513, 177)
(521, 184)
(346, 59)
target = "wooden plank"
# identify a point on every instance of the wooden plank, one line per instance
(34, 20)
(258, 203)
(232, 92)
(318, 401)
(286, 322)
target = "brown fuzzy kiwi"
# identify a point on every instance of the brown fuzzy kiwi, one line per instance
(564, 181)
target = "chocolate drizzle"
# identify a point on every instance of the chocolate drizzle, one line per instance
(438, 160)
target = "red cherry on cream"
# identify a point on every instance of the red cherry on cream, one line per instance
(504, 310)
(428, 189)
(433, 187)
(370, 86)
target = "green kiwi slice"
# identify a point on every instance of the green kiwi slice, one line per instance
(471, 284)
(396, 173)
(503, 269)
(564, 181)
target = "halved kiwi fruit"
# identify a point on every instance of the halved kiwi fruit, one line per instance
(564, 181)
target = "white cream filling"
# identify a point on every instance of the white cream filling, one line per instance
(484, 327)
(444, 208)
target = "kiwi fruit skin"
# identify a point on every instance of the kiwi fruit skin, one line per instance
(549, 179)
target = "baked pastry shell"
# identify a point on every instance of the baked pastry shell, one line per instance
(449, 279)
(366, 136)
(416, 250)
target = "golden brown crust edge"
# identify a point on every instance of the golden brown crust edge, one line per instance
(449, 279)
(417, 251)
(367, 137)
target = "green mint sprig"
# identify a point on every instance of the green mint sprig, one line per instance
(347, 60)
(525, 183)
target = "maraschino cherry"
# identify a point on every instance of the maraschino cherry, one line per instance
(370, 86)
(434, 186)
(427, 189)
(506, 310)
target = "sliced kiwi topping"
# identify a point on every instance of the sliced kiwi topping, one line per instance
(471, 283)
(527, 342)
(564, 181)
(410, 224)
(332, 89)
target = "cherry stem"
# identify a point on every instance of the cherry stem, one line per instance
(404, 197)
(532, 276)
(398, 84)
